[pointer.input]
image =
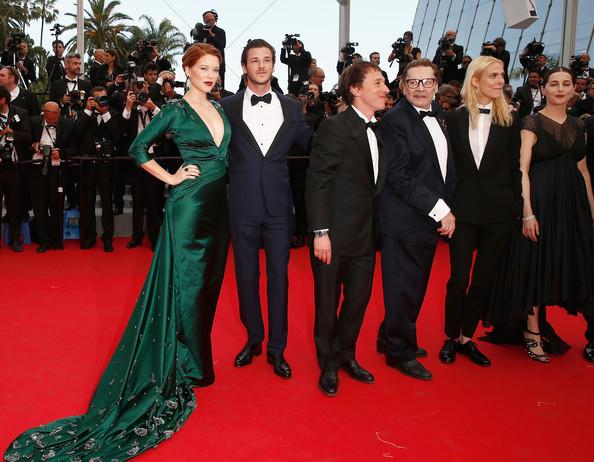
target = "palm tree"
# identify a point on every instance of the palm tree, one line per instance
(102, 24)
(13, 17)
(44, 10)
(170, 40)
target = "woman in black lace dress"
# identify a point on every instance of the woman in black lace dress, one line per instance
(555, 256)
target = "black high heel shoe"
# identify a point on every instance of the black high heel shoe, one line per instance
(531, 343)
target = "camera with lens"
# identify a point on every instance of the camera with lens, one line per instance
(200, 32)
(145, 46)
(445, 44)
(76, 98)
(103, 147)
(141, 96)
(290, 40)
(102, 101)
(534, 48)
(46, 151)
(349, 50)
(304, 91)
(398, 48)
(15, 41)
(486, 49)
(577, 66)
(7, 148)
(128, 73)
(331, 97)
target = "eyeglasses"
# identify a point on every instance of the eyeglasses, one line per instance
(414, 83)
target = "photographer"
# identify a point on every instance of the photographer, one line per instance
(218, 92)
(21, 97)
(216, 37)
(316, 75)
(15, 137)
(53, 140)
(147, 191)
(404, 52)
(70, 92)
(532, 58)
(97, 71)
(55, 67)
(374, 58)
(461, 74)
(348, 56)
(163, 90)
(530, 95)
(298, 62)
(15, 54)
(148, 52)
(448, 56)
(313, 107)
(496, 48)
(581, 66)
(98, 131)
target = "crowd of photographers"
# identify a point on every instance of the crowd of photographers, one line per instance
(77, 142)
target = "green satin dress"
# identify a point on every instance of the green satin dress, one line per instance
(145, 393)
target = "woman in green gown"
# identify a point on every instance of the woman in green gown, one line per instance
(145, 393)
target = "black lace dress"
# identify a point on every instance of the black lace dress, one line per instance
(558, 269)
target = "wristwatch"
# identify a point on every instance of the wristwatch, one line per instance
(321, 233)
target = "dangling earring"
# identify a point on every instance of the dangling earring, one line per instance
(477, 90)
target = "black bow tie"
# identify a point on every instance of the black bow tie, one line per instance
(265, 99)
(372, 125)
(50, 126)
(482, 110)
(428, 114)
(71, 80)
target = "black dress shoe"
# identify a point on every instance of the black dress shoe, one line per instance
(589, 352)
(328, 383)
(357, 372)
(412, 368)
(280, 365)
(249, 351)
(134, 243)
(421, 352)
(448, 352)
(43, 247)
(108, 247)
(89, 244)
(469, 349)
(16, 246)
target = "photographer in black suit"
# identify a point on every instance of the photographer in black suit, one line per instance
(15, 137)
(20, 60)
(147, 191)
(55, 67)
(298, 63)
(71, 91)
(216, 37)
(448, 56)
(146, 52)
(53, 141)
(21, 97)
(98, 131)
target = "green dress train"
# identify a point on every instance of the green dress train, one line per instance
(145, 393)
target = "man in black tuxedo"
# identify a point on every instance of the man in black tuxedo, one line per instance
(15, 137)
(216, 37)
(530, 95)
(413, 209)
(98, 131)
(21, 61)
(21, 97)
(448, 59)
(347, 169)
(55, 66)
(264, 124)
(97, 71)
(163, 90)
(57, 132)
(64, 90)
(146, 190)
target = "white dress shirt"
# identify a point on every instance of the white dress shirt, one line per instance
(264, 120)
(479, 135)
(440, 209)
(372, 139)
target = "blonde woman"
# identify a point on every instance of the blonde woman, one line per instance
(487, 200)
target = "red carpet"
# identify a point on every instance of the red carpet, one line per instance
(62, 314)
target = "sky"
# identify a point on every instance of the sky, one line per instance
(375, 25)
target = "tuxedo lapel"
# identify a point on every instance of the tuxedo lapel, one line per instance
(423, 134)
(288, 120)
(462, 132)
(237, 112)
(357, 126)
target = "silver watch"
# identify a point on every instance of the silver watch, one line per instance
(320, 233)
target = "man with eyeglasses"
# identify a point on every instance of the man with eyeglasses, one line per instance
(317, 76)
(461, 74)
(413, 211)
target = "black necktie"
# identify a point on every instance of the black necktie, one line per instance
(265, 99)
(428, 114)
(372, 125)
(482, 110)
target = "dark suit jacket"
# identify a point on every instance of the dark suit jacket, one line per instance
(524, 97)
(450, 70)
(340, 189)
(493, 192)
(65, 140)
(87, 131)
(58, 90)
(29, 76)
(260, 184)
(97, 74)
(54, 69)
(21, 130)
(414, 181)
(27, 100)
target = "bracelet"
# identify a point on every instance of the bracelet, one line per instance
(531, 217)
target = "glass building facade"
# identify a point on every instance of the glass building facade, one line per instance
(479, 21)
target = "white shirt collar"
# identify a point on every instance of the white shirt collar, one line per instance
(373, 119)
